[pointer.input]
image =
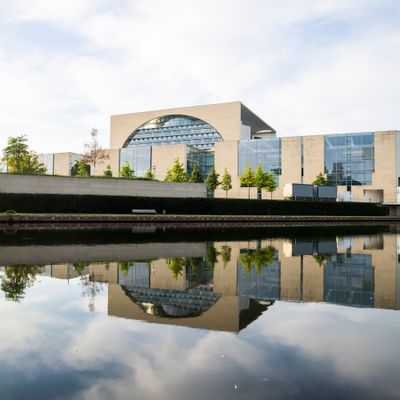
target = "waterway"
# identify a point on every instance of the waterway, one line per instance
(269, 313)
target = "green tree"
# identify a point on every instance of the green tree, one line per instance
(320, 180)
(176, 265)
(259, 180)
(107, 172)
(247, 179)
(320, 260)
(31, 165)
(226, 183)
(176, 173)
(226, 254)
(263, 180)
(269, 183)
(212, 180)
(80, 169)
(19, 159)
(126, 171)
(196, 176)
(149, 174)
(17, 279)
(211, 255)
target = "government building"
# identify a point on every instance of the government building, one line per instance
(363, 166)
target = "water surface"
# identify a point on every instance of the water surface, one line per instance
(277, 314)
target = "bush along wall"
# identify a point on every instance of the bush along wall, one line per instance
(53, 203)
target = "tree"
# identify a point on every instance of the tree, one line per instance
(212, 180)
(226, 183)
(211, 255)
(226, 254)
(149, 175)
(107, 172)
(269, 183)
(320, 180)
(247, 179)
(176, 173)
(196, 176)
(259, 180)
(94, 154)
(19, 159)
(176, 265)
(127, 171)
(31, 165)
(17, 279)
(80, 169)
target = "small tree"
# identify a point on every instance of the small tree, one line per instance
(107, 172)
(81, 169)
(259, 180)
(226, 254)
(149, 174)
(196, 175)
(31, 164)
(226, 183)
(176, 173)
(320, 180)
(127, 171)
(94, 154)
(247, 179)
(212, 180)
(269, 183)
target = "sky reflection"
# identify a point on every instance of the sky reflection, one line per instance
(86, 337)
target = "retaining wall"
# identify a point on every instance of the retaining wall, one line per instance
(44, 184)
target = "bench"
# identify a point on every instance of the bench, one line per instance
(143, 211)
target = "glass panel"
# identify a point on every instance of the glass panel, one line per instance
(174, 129)
(349, 158)
(266, 152)
(138, 157)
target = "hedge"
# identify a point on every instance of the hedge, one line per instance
(94, 204)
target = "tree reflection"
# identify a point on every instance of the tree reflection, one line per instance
(211, 255)
(176, 264)
(320, 259)
(226, 254)
(260, 258)
(17, 279)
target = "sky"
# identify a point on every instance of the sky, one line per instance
(303, 66)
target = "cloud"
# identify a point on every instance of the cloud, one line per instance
(304, 67)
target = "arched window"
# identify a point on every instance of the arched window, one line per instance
(175, 129)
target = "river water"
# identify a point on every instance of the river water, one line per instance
(279, 313)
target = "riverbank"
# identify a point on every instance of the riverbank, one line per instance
(184, 221)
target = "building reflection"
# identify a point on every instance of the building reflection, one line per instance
(227, 285)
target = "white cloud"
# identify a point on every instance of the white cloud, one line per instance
(304, 67)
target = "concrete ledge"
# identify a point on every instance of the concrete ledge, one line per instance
(45, 184)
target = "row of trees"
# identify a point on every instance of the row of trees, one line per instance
(20, 159)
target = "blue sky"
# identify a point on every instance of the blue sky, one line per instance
(305, 67)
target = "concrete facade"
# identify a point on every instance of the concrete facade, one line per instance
(301, 158)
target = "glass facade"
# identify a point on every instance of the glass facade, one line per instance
(349, 280)
(175, 129)
(349, 159)
(204, 158)
(138, 157)
(266, 152)
(261, 284)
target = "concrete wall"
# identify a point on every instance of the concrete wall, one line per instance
(163, 158)
(113, 161)
(10, 183)
(224, 117)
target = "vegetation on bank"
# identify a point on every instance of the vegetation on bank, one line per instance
(96, 204)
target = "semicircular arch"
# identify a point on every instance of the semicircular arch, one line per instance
(174, 129)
